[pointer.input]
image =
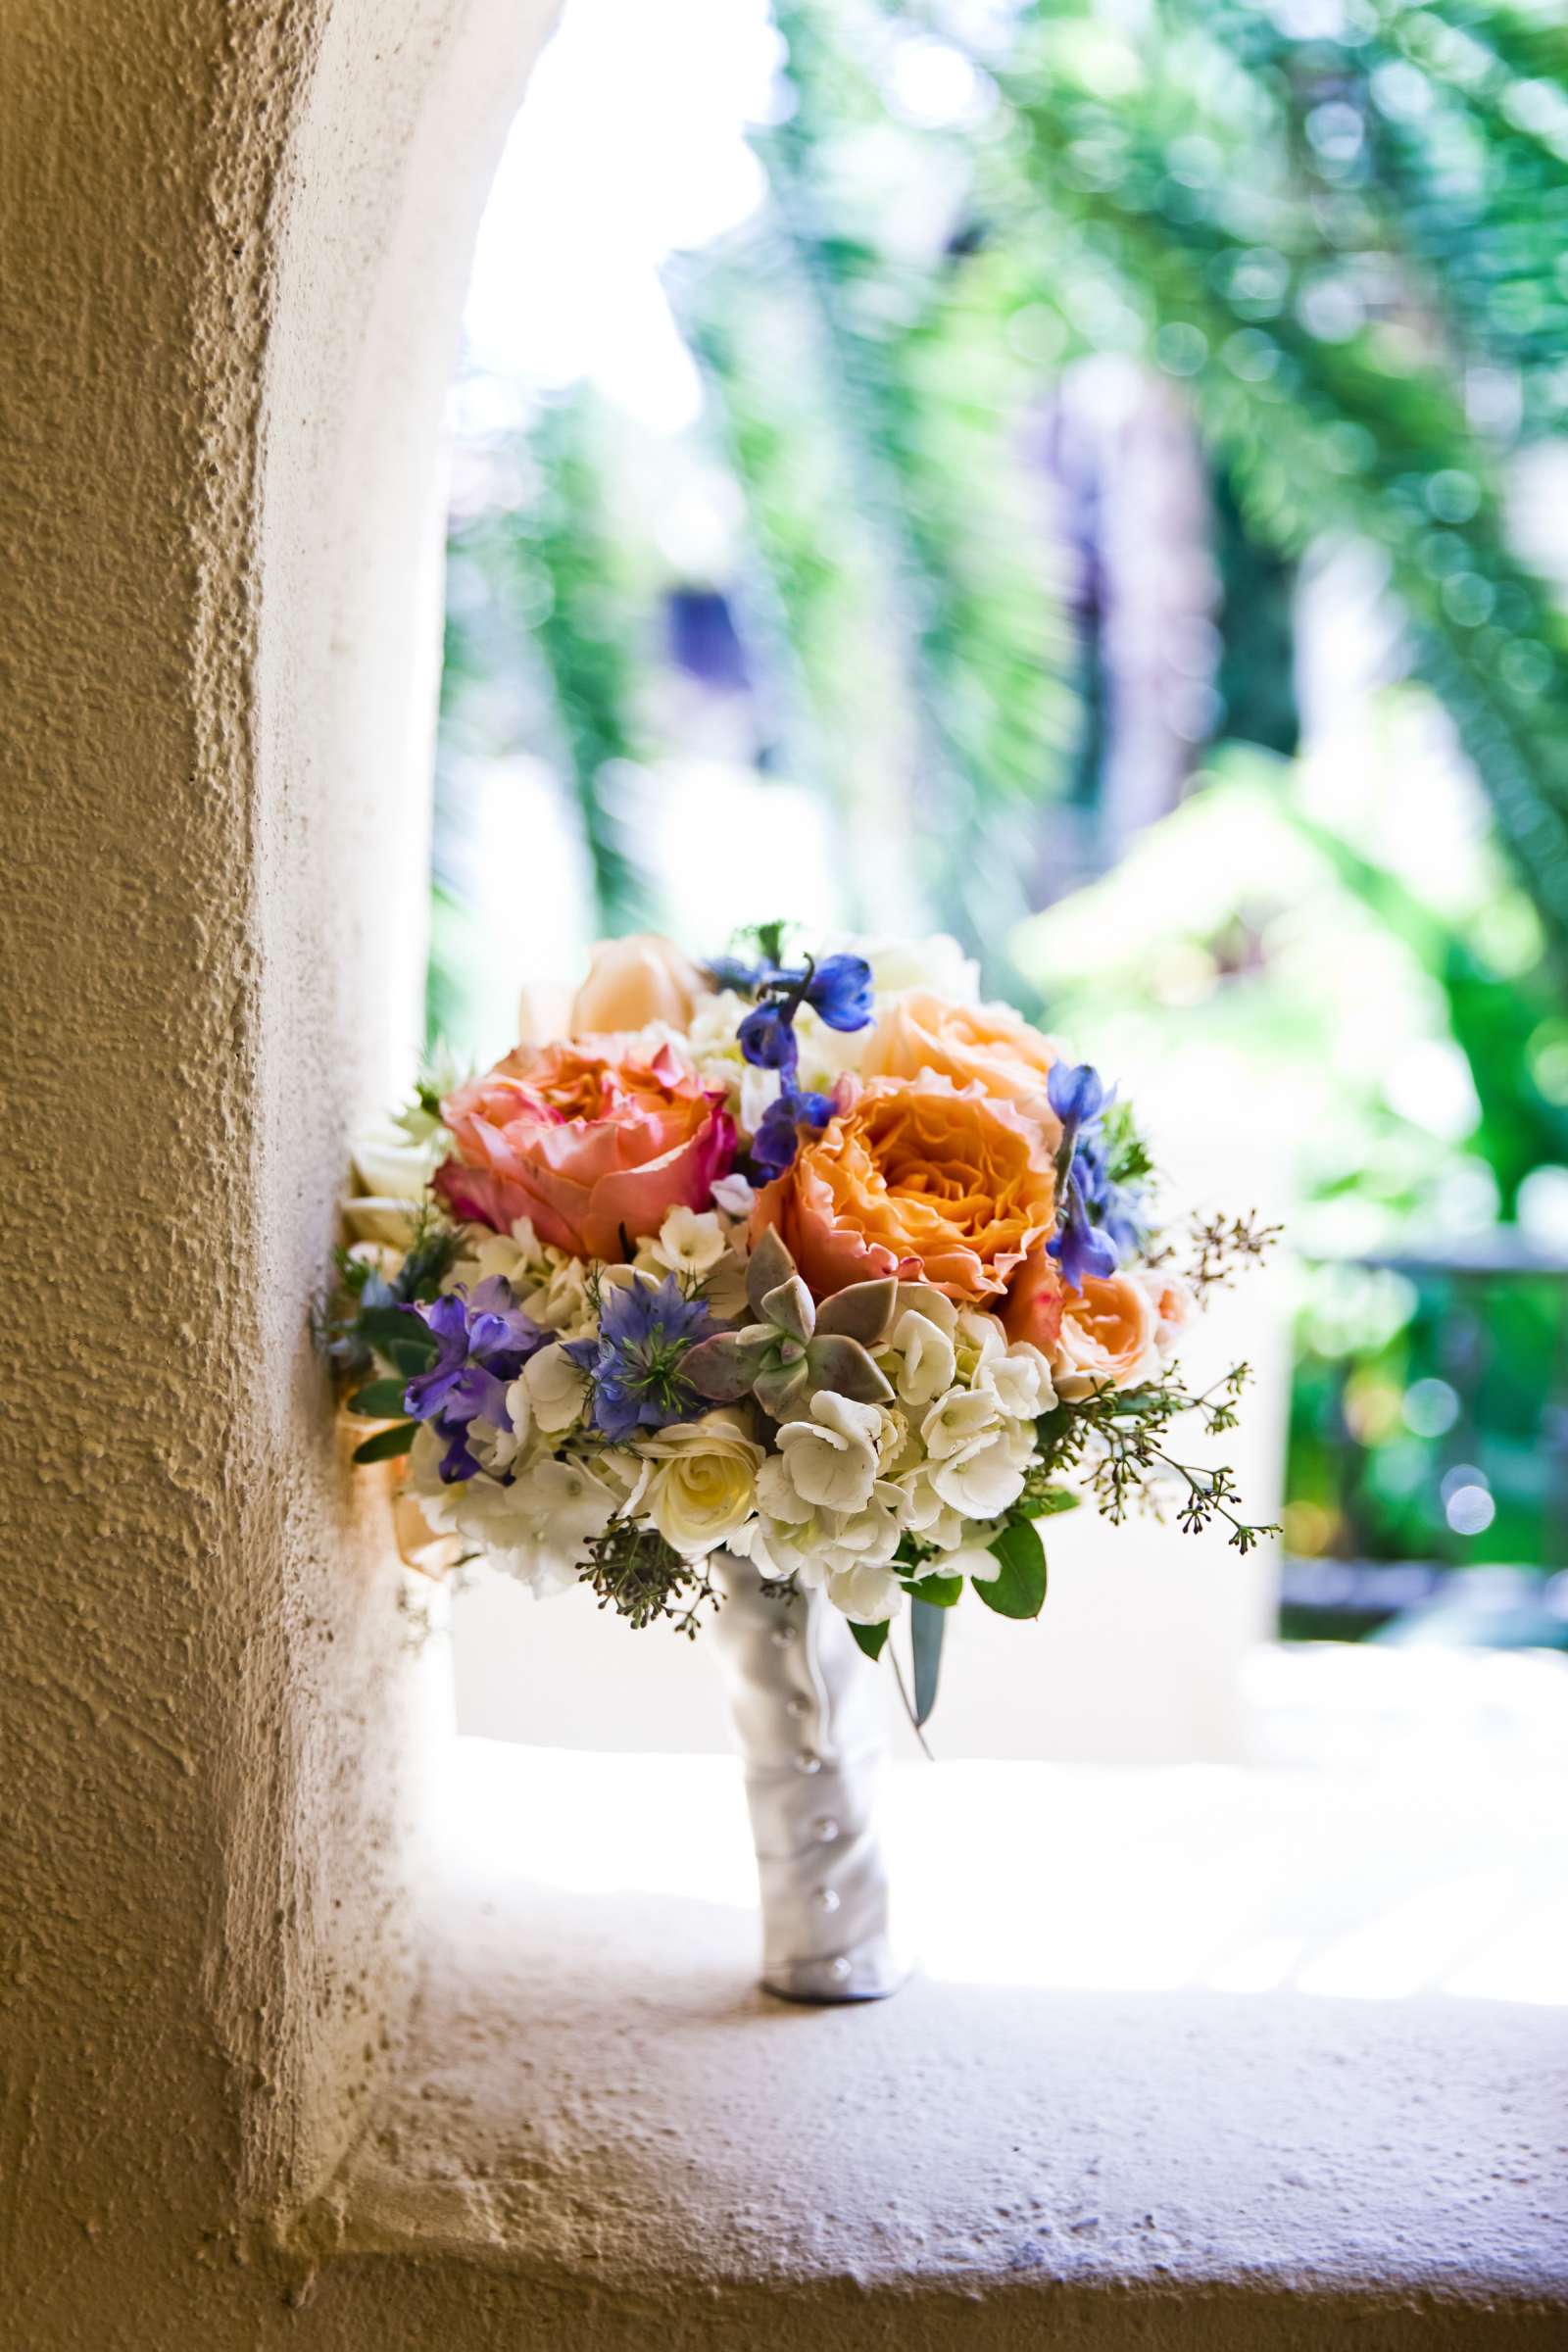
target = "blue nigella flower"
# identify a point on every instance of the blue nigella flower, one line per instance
(633, 1365)
(484, 1343)
(777, 1138)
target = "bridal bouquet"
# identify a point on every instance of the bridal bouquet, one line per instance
(811, 1259)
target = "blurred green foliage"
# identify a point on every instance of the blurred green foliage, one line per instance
(1334, 232)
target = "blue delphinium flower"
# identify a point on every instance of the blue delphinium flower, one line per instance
(839, 991)
(767, 1038)
(485, 1339)
(1095, 1226)
(777, 1137)
(633, 1365)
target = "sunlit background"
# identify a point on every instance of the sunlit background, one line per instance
(1091, 479)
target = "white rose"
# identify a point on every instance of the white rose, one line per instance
(1019, 1380)
(832, 1459)
(391, 1175)
(937, 963)
(554, 1390)
(928, 1361)
(957, 1418)
(985, 1477)
(704, 1484)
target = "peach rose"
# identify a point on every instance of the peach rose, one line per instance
(915, 1180)
(1034, 1301)
(1107, 1336)
(587, 1147)
(989, 1046)
(631, 982)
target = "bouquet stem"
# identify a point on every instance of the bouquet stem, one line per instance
(808, 1718)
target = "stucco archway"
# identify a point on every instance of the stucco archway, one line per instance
(243, 225)
(241, 238)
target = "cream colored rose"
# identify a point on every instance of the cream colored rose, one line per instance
(632, 982)
(1108, 1337)
(392, 1172)
(706, 1483)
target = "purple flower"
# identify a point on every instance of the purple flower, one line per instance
(633, 1366)
(484, 1343)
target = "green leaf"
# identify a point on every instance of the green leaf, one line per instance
(1018, 1589)
(390, 1327)
(938, 1591)
(387, 1443)
(1046, 1505)
(872, 1639)
(383, 1400)
(927, 1629)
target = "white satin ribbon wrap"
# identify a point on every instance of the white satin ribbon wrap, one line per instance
(808, 1717)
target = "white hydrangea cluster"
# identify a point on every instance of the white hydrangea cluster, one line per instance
(851, 1483)
(846, 1486)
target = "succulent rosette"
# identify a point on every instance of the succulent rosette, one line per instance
(809, 1257)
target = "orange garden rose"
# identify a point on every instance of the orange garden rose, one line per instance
(1108, 1338)
(989, 1046)
(918, 1180)
(1036, 1297)
(587, 1147)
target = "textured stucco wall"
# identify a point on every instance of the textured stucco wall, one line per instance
(237, 236)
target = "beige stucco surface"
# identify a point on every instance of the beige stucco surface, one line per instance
(236, 240)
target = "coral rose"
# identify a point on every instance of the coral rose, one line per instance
(1035, 1299)
(915, 1180)
(631, 982)
(989, 1046)
(1108, 1337)
(587, 1147)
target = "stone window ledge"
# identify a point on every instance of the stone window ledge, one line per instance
(605, 2134)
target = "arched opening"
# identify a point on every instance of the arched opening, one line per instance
(227, 640)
